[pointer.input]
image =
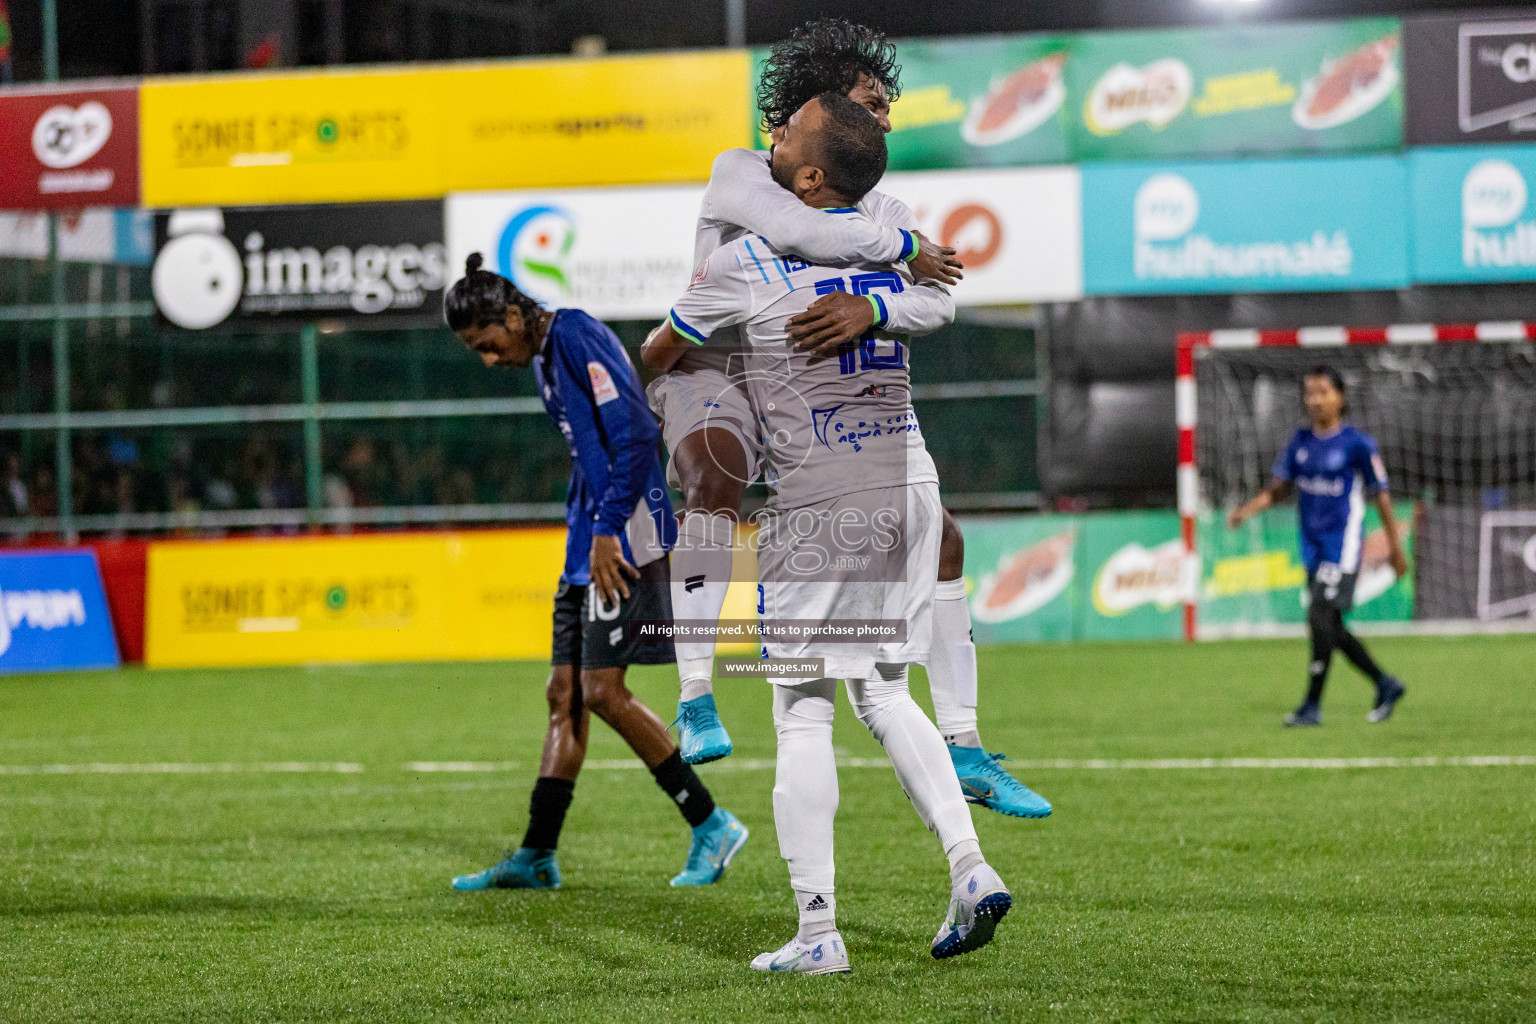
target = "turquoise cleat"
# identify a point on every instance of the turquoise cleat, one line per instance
(714, 844)
(985, 782)
(522, 869)
(700, 736)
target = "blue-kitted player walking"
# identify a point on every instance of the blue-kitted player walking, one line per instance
(619, 532)
(1334, 468)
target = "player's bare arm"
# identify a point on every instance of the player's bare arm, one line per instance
(609, 567)
(831, 322)
(1395, 551)
(663, 348)
(1274, 494)
(935, 262)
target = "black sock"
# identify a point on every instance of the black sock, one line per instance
(1355, 651)
(546, 812)
(682, 784)
(1321, 622)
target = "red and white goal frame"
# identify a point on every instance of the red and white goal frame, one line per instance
(1186, 408)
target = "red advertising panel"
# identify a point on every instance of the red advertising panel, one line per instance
(67, 148)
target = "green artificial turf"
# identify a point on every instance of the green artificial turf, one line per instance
(1396, 894)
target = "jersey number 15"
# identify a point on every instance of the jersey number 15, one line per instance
(865, 349)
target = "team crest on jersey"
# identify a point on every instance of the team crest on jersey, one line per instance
(873, 390)
(603, 389)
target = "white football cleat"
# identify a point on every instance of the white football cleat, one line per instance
(827, 955)
(975, 906)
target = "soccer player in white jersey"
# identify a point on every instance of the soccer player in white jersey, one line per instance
(852, 539)
(712, 432)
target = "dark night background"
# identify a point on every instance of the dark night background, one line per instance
(132, 37)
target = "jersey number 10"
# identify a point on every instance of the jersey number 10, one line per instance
(868, 357)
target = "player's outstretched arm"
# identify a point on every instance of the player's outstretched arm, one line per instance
(742, 192)
(1395, 552)
(663, 347)
(1276, 492)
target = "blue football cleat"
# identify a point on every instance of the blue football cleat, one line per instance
(700, 736)
(714, 844)
(1388, 694)
(985, 782)
(522, 869)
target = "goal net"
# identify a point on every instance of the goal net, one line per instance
(1454, 412)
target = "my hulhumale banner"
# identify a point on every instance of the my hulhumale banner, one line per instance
(1279, 225)
(1253, 576)
(1324, 87)
(1472, 215)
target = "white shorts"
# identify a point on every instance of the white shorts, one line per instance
(700, 399)
(898, 589)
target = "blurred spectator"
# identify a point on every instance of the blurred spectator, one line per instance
(16, 503)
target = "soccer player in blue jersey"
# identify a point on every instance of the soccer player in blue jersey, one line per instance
(1334, 468)
(619, 531)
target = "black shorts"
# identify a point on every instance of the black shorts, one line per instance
(588, 634)
(1331, 587)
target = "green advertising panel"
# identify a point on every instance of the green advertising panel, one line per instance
(1020, 573)
(1253, 576)
(1133, 579)
(996, 101)
(1275, 89)
(987, 101)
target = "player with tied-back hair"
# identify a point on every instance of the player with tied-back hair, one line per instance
(1334, 467)
(619, 531)
(712, 431)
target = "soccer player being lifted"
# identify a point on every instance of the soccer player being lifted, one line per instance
(1334, 467)
(713, 433)
(852, 536)
(619, 530)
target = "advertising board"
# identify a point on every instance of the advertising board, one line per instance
(64, 148)
(53, 613)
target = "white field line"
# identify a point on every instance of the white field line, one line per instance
(762, 764)
(184, 768)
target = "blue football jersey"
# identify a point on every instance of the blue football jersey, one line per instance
(592, 393)
(1333, 476)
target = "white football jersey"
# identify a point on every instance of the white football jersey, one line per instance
(833, 426)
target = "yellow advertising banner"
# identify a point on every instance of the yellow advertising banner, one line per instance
(615, 121)
(298, 138)
(403, 597)
(356, 136)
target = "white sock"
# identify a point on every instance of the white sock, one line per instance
(952, 666)
(805, 788)
(818, 915)
(963, 856)
(701, 574)
(916, 750)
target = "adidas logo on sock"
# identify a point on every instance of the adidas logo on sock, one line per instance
(682, 797)
(817, 903)
(693, 583)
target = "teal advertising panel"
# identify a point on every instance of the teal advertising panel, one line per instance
(1021, 575)
(1250, 226)
(1253, 576)
(1472, 216)
(1134, 583)
(1278, 89)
